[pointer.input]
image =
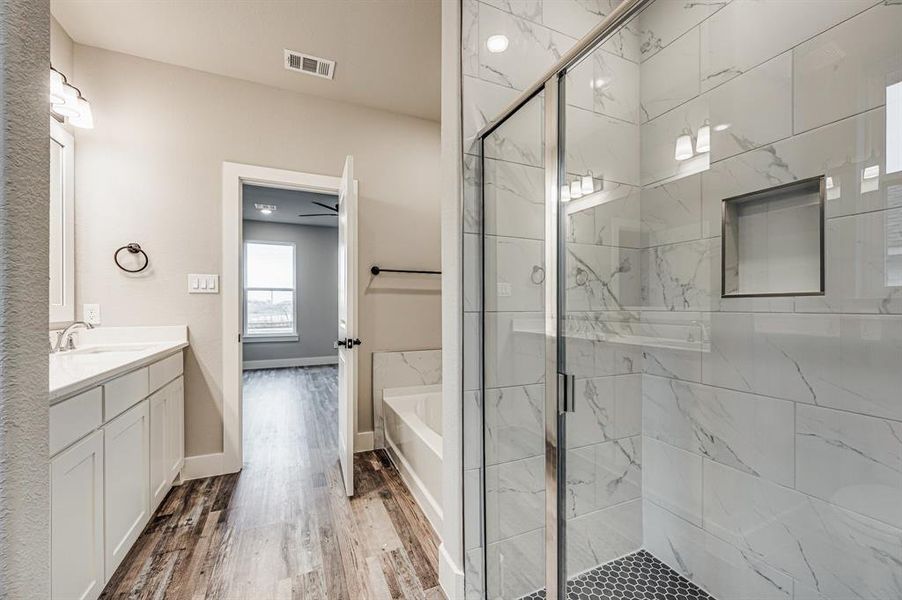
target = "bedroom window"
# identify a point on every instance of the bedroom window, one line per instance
(269, 291)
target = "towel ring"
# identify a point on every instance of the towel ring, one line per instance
(133, 248)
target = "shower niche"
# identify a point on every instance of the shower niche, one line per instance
(773, 241)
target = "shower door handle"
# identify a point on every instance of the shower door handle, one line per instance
(566, 390)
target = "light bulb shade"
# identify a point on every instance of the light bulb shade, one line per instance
(85, 118)
(576, 189)
(703, 143)
(69, 106)
(56, 87)
(587, 185)
(565, 193)
(683, 147)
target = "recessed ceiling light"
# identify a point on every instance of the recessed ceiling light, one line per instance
(722, 127)
(497, 43)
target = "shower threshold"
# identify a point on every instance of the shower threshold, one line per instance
(636, 576)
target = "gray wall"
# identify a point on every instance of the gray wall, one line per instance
(317, 290)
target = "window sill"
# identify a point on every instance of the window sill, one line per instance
(281, 337)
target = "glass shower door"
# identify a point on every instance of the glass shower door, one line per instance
(513, 369)
(600, 275)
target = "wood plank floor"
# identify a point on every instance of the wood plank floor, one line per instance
(283, 527)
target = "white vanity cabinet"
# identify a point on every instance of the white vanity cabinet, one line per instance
(126, 473)
(167, 439)
(116, 450)
(76, 517)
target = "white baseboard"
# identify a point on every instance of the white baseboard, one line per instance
(282, 363)
(204, 465)
(363, 441)
(450, 576)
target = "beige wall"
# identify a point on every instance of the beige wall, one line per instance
(61, 48)
(150, 172)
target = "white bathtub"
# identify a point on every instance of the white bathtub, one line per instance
(413, 438)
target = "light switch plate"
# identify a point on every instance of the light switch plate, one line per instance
(203, 283)
(504, 290)
(91, 313)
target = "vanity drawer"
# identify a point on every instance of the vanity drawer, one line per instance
(74, 418)
(124, 392)
(164, 371)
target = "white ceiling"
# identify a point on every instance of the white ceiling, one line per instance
(387, 52)
(290, 204)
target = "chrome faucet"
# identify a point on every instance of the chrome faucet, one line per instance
(64, 340)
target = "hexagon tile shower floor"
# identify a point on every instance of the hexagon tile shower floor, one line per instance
(637, 576)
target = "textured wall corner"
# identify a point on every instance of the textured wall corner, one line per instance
(24, 218)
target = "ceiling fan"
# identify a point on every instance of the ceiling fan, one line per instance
(334, 210)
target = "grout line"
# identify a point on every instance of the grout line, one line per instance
(796, 402)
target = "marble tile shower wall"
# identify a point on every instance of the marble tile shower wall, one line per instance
(755, 445)
(772, 454)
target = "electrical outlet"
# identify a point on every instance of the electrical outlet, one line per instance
(91, 313)
(504, 290)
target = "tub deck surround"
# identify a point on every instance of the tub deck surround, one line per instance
(401, 369)
(104, 353)
(413, 437)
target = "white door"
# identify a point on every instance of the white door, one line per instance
(347, 322)
(76, 521)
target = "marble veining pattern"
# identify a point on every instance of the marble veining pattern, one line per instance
(750, 444)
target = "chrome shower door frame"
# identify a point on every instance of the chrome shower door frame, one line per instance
(551, 85)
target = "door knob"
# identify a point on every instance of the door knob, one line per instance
(353, 342)
(340, 343)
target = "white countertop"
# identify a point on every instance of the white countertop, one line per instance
(107, 352)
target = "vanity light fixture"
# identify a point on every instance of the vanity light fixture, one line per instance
(497, 43)
(57, 81)
(576, 189)
(703, 142)
(67, 102)
(565, 193)
(69, 106)
(265, 209)
(587, 184)
(84, 119)
(870, 179)
(683, 149)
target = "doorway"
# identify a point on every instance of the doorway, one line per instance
(275, 315)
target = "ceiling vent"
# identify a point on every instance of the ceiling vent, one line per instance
(311, 65)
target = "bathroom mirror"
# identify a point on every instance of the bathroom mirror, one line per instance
(62, 224)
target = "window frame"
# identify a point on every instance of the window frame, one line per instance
(270, 337)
